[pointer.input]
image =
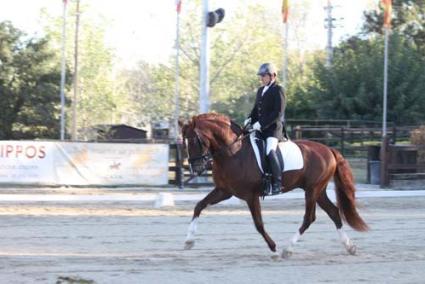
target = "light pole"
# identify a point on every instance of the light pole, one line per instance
(204, 85)
(74, 99)
(62, 83)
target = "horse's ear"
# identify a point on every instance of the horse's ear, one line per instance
(235, 127)
(183, 127)
(181, 123)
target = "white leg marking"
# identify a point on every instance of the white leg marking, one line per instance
(295, 238)
(190, 238)
(343, 237)
(349, 246)
(288, 251)
(275, 254)
(192, 229)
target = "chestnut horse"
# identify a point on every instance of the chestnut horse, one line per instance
(236, 173)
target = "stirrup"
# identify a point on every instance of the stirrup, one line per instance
(276, 190)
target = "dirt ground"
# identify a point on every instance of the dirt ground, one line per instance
(117, 242)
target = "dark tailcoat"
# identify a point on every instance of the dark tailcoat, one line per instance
(269, 110)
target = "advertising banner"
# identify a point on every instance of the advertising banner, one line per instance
(68, 163)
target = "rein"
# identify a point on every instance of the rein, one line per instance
(240, 137)
(208, 156)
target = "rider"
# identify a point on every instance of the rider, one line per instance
(267, 116)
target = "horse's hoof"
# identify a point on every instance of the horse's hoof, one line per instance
(189, 244)
(352, 250)
(275, 256)
(286, 253)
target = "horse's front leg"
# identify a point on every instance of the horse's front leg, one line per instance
(213, 197)
(255, 208)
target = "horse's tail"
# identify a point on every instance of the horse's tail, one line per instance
(345, 193)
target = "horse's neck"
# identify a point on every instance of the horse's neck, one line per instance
(236, 152)
(222, 143)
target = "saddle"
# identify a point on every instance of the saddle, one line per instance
(288, 153)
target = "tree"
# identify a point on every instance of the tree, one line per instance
(29, 86)
(409, 20)
(352, 88)
(150, 89)
(301, 101)
(237, 47)
(236, 56)
(100, 95)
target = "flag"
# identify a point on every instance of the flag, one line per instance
(178, 6)
(386, 4)
(285, 10)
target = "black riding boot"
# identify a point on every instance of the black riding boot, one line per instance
(276, 172)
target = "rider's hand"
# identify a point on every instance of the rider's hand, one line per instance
(246, 122)
(256, 126)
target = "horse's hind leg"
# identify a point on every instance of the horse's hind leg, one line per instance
(309, 217)
(255, 208)
(213, 197)
(333, 213)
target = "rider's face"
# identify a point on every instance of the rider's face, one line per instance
(265, 79)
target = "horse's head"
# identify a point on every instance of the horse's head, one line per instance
(206, 134)
(197, 147)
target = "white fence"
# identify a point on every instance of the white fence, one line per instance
(68, 163)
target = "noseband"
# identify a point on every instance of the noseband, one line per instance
(206, 156)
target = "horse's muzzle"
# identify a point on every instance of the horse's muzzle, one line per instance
(197, 168)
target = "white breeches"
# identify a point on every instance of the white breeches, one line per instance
(271, 144)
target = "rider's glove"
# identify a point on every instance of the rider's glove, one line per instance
(246, 122)
(257, 126)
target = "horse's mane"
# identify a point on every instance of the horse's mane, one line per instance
(215, 123)
(212, 116)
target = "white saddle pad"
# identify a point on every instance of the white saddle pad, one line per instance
(291, 154)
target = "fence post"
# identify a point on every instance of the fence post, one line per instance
(342, 140)
(298, 132)
(385, 180)
(179, 166)
(394, 134)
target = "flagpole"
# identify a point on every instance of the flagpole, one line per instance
(384, 107)
(74, 99)
(285, 58)
(179, 142)
(177, 90)
(62, 82)
(384, 181)
(285, 13)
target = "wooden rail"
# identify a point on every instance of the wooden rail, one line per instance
(341, 138)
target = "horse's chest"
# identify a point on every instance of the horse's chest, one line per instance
(232, 176)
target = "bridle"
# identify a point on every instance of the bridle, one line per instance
(207, 156)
